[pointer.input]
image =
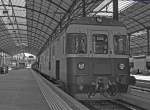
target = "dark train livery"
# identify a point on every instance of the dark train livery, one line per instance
(90, 57)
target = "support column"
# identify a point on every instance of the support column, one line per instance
(148, 41)
(4, 59)
(1, 60)
(129, 40)
(115, 10)
(83, 8)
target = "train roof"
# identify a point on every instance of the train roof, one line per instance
(102, 21)
(139, 56)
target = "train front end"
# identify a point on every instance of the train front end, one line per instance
(97, 59)
(98, 77)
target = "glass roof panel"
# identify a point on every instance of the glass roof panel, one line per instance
(106, 7)
(143, 32)
(26, 23)
(8, 12)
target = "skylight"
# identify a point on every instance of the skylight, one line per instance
(143, 32)
(8, 15)
(106, 8)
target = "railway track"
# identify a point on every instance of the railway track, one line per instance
(143, 84)
(140, 92)
(144, 89)
(127, 105)
(137, 97)
(110, 105)
(117, 104)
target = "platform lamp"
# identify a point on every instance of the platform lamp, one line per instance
(5, 12)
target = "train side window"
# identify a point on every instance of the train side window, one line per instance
(100, 42)
(76, 43)
(120, 44)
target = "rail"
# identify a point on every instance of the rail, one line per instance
(127, 105)
(140, 88)
(137, 96)
(143, 83)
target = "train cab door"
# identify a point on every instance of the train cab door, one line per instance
(57, 69)
(100, 50)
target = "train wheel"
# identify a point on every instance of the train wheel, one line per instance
(91, 94)
(112, 90)
(104, 93)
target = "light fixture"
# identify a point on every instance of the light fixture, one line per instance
(81, 66)
(121, 66)
(5, 11)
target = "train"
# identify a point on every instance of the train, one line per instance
(90, 57)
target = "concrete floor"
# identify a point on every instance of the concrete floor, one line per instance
(19, 91)
(142, 77)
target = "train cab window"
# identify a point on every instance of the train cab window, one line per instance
(120, 45)
(100, 42)
(76, 43)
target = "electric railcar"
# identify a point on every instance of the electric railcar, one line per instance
(90, 57)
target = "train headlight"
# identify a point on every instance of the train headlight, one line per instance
(81, 66)
(121, 66)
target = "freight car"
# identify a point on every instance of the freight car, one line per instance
(90, 57)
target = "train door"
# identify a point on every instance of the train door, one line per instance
(100, 50)
(57, 69)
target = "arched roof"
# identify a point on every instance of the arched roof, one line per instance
(28, 25)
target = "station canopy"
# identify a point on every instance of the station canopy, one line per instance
(29, 25)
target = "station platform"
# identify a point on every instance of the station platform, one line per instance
(26, 90)
(142, 77)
